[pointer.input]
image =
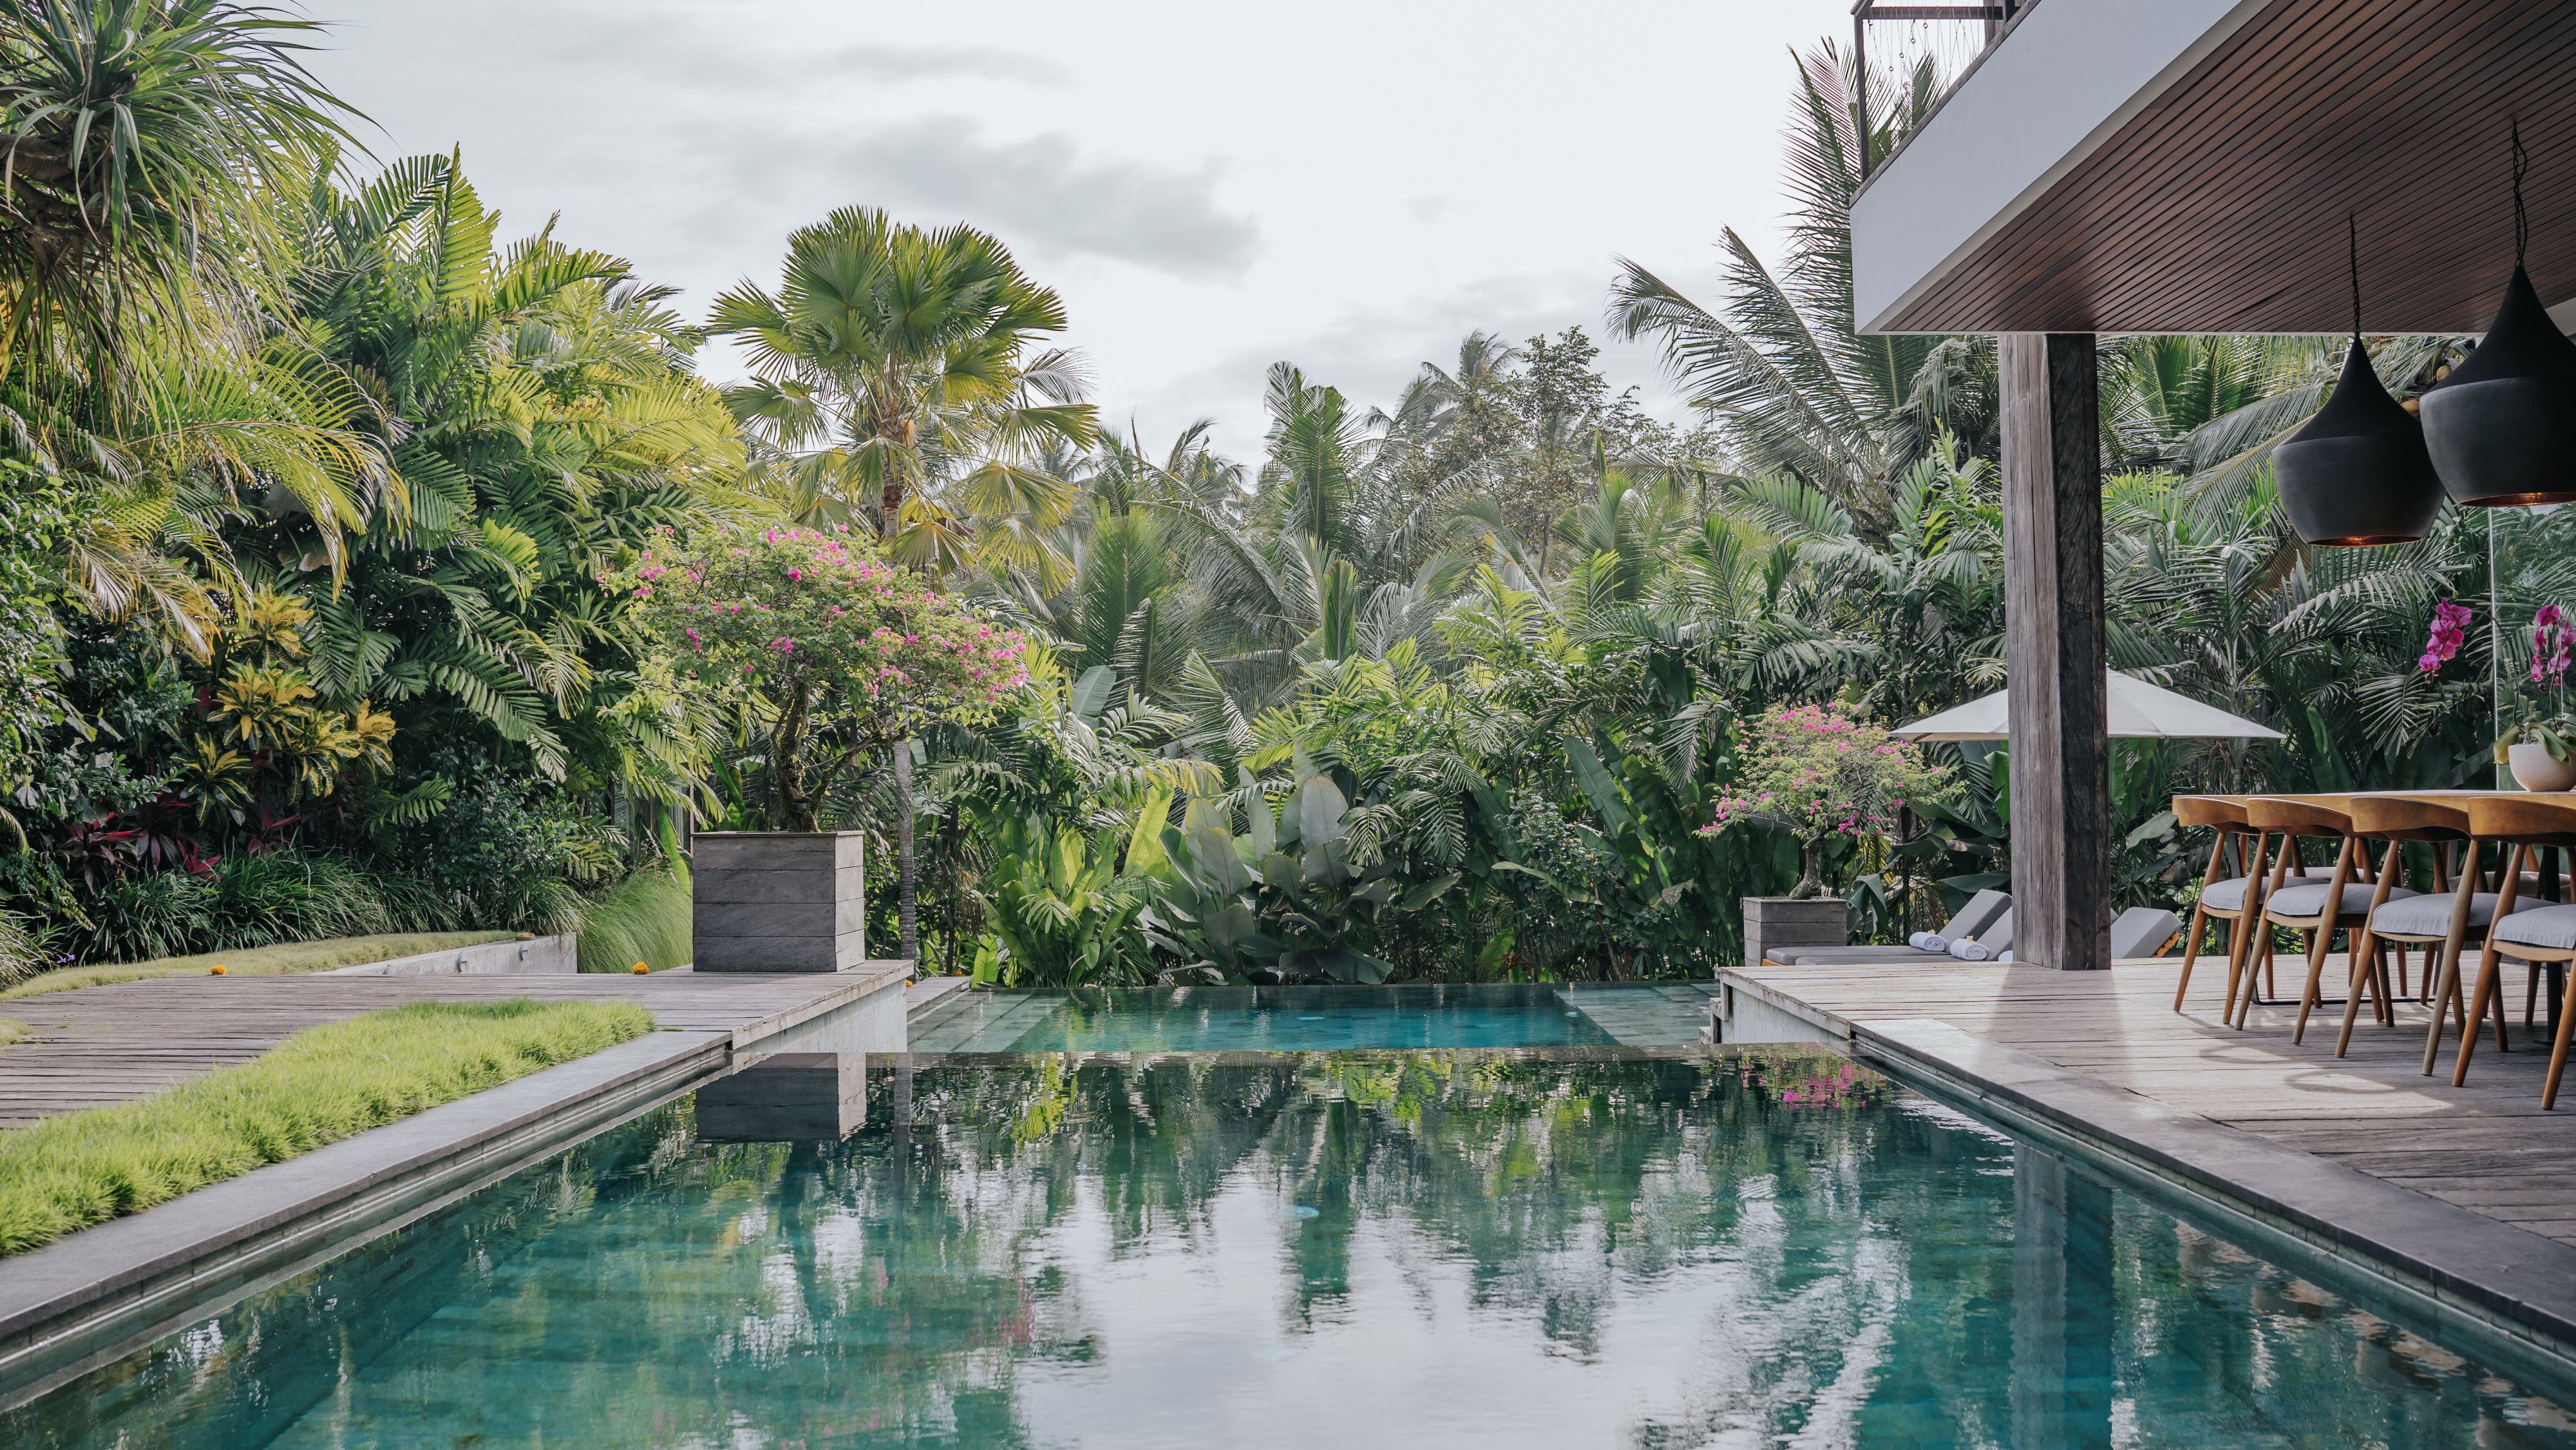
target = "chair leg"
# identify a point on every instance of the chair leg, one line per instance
(2530, 996)
(2353, 1003)
(2477, 1013)
(2558, 1045)
(2320, 946)
(2199, 915)
(2190, 951)
(2446, 996)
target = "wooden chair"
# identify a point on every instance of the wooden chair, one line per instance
(2318, 908)
(2529, 823)
(2231, 899)
(2442, 922)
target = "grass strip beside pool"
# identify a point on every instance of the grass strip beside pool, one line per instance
(318, 1086)
(283, 959)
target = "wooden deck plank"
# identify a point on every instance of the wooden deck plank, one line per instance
(2487, 1147)
(97, 1045)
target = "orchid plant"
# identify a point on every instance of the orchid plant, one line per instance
(2553, 649)
(1822, 775)
(831, 653)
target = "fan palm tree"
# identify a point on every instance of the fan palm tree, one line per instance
(893, 362)
(896, 376)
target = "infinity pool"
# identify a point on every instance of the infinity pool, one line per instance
(1308, 1019)
(1369, 1250)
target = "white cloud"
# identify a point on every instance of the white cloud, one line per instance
(933, 62)
(1044, 193)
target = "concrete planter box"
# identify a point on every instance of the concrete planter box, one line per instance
(777, 901)
(1786, 921)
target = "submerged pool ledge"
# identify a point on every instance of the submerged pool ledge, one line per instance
(105, 1291)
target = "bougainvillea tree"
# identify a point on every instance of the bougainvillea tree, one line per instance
(1818, 774)
(829, 651)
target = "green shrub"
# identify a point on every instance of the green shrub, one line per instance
(245, 901)
(318, 1086)
(644, 918)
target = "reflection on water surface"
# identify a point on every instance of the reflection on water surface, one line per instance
(1420, 1249)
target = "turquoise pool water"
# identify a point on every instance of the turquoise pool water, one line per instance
(1322, 1019)
(1372, 1250)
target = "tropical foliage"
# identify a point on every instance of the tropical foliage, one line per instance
(367, 571)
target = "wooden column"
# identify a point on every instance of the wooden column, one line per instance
(2053, 652)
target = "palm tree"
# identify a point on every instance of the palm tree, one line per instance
(1793, 385)
(892, 361)
(139, 136)
(894, 377)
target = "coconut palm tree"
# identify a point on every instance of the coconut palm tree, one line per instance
(1795, 388)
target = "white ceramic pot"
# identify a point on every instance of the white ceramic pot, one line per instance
(2535, 771)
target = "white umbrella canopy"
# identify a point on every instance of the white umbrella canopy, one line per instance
(2139, 711)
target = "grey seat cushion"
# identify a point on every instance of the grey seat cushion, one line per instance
(2310, 899)
(2431, 915)
(2546, 926)
(1849, 956)
(2229, 895)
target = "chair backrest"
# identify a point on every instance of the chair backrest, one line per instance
(2530, 820)
(2301, 815)
(1976, 916)
(2226, 812)
(2411, 818)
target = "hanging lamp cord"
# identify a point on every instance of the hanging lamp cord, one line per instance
(2352, 239)
(2521, 218)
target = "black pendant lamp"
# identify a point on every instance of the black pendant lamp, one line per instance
(2502, 426)
(2358, 474)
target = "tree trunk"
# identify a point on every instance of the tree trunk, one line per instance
(906, 884)
(890, 502)
(794, 800)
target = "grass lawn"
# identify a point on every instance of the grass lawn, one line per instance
(318, 1086)
(13, 1030)
(304, 956)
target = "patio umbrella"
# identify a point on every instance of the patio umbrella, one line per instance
(2139, 711)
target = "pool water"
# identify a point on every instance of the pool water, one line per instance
(1318, 1019)
(1390, 1249)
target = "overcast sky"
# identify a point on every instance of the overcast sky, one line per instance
(1350, 186)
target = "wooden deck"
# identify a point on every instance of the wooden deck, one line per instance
(2487, 1147)
(98, 1045)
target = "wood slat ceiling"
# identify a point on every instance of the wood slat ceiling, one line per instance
(2220, 207)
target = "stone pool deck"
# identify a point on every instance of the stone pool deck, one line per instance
(2461, 1202)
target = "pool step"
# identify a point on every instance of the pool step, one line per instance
(1645, 1014)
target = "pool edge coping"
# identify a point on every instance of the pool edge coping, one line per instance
(102, 1292)
(2506, 1290)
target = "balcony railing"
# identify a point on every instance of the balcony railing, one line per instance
(1997, 17)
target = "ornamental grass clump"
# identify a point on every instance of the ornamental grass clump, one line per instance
(1821, 775)
(318, 1086)
(834, 654)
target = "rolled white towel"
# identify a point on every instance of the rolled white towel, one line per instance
(2007, 956)
(1970, 951)
(1928, 941)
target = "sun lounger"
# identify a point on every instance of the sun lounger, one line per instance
(1976, 919)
